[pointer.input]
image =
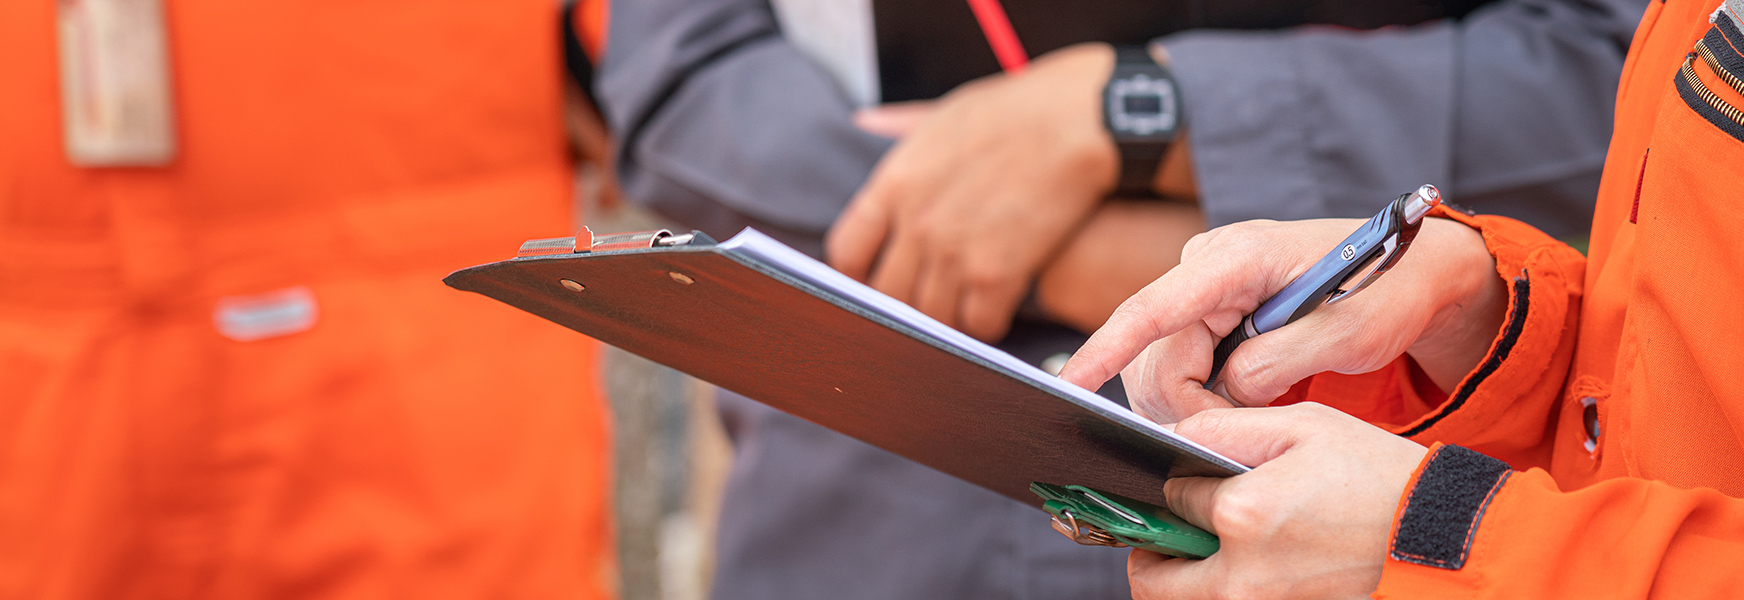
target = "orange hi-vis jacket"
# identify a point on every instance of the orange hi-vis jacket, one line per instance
(1615, 390)
(239, 375)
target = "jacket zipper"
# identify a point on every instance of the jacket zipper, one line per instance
(1689, 76)
(1714, 63)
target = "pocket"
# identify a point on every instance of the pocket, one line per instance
(1709, 81)
(1677, 360)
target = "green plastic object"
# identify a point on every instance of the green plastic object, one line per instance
(1098, 518)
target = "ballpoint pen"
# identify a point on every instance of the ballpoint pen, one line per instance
(1379, 242)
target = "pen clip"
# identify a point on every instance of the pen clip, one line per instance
(1406, 218)
(1375, 265)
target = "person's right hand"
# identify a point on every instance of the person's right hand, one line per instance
(1443, 302)
(1125, 245)
(983, 188)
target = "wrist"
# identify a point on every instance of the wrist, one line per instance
(1471, 306)
(1094, 158)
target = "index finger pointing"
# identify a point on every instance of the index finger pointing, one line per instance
(1177, 299)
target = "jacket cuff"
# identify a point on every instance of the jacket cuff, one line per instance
(1443, 506)
(1502, 407)
(1439, 517)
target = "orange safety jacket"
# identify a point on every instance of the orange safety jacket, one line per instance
(381, 435)
(1615, 390)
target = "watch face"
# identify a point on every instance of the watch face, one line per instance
(1142, 105)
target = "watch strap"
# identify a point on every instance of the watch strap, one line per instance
(1139, 159)
(1139, 163)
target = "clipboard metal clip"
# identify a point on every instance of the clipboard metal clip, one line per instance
(586, 241)
(1089, 535)
(1094, 518)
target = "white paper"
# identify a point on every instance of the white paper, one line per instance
(776, 255)
(837, 35)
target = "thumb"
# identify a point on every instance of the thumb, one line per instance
(1254, 436)
(894, 120)
(1194, 499)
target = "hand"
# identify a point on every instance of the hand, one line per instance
(960, 216)
(896, 119)
(1442, 302)
(1125, 245)
(591, 143)
(1312, 520)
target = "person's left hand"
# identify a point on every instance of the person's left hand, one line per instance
(1311, 520)
(960, 216)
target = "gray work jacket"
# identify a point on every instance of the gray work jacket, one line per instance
(722, 123)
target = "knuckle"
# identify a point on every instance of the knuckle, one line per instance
(987, 277)
(1250, 386)
(937, 235)
(1242, 515)
(1240, 231)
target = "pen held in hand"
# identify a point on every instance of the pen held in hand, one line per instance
(1378, 243)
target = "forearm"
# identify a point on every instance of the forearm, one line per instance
(1124, 246)
(722, 124)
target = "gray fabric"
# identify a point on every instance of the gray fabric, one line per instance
(721, 124)
(1509, 109)
(810, 513)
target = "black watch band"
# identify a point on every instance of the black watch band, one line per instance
(1139, 164)
(1142, 111)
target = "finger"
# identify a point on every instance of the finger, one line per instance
(987, 310)
(896, 119)
(1157, 577)
(853, 243)
(1337, 338)
(1198, 243)
(938, 288)
(1166, 382)
(1255, 436)
(1194, 499)
(898, 267)
(1177, 299)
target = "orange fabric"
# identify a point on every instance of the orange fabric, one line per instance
(1648, 328)
(416, 441)
(591, 19)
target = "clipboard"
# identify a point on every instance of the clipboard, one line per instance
(756, 317)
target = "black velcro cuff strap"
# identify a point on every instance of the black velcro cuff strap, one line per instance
(1443, 511)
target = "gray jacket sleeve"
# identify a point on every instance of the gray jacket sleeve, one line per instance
(1508, 109)
(722, 124)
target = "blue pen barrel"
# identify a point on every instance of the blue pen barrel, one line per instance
(1380, 242)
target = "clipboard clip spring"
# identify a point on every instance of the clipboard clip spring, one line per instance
(1084, 533)
(586, 241)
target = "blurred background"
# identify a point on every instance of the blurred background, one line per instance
(672, 455)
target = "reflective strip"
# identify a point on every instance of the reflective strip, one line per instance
(269, 315)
